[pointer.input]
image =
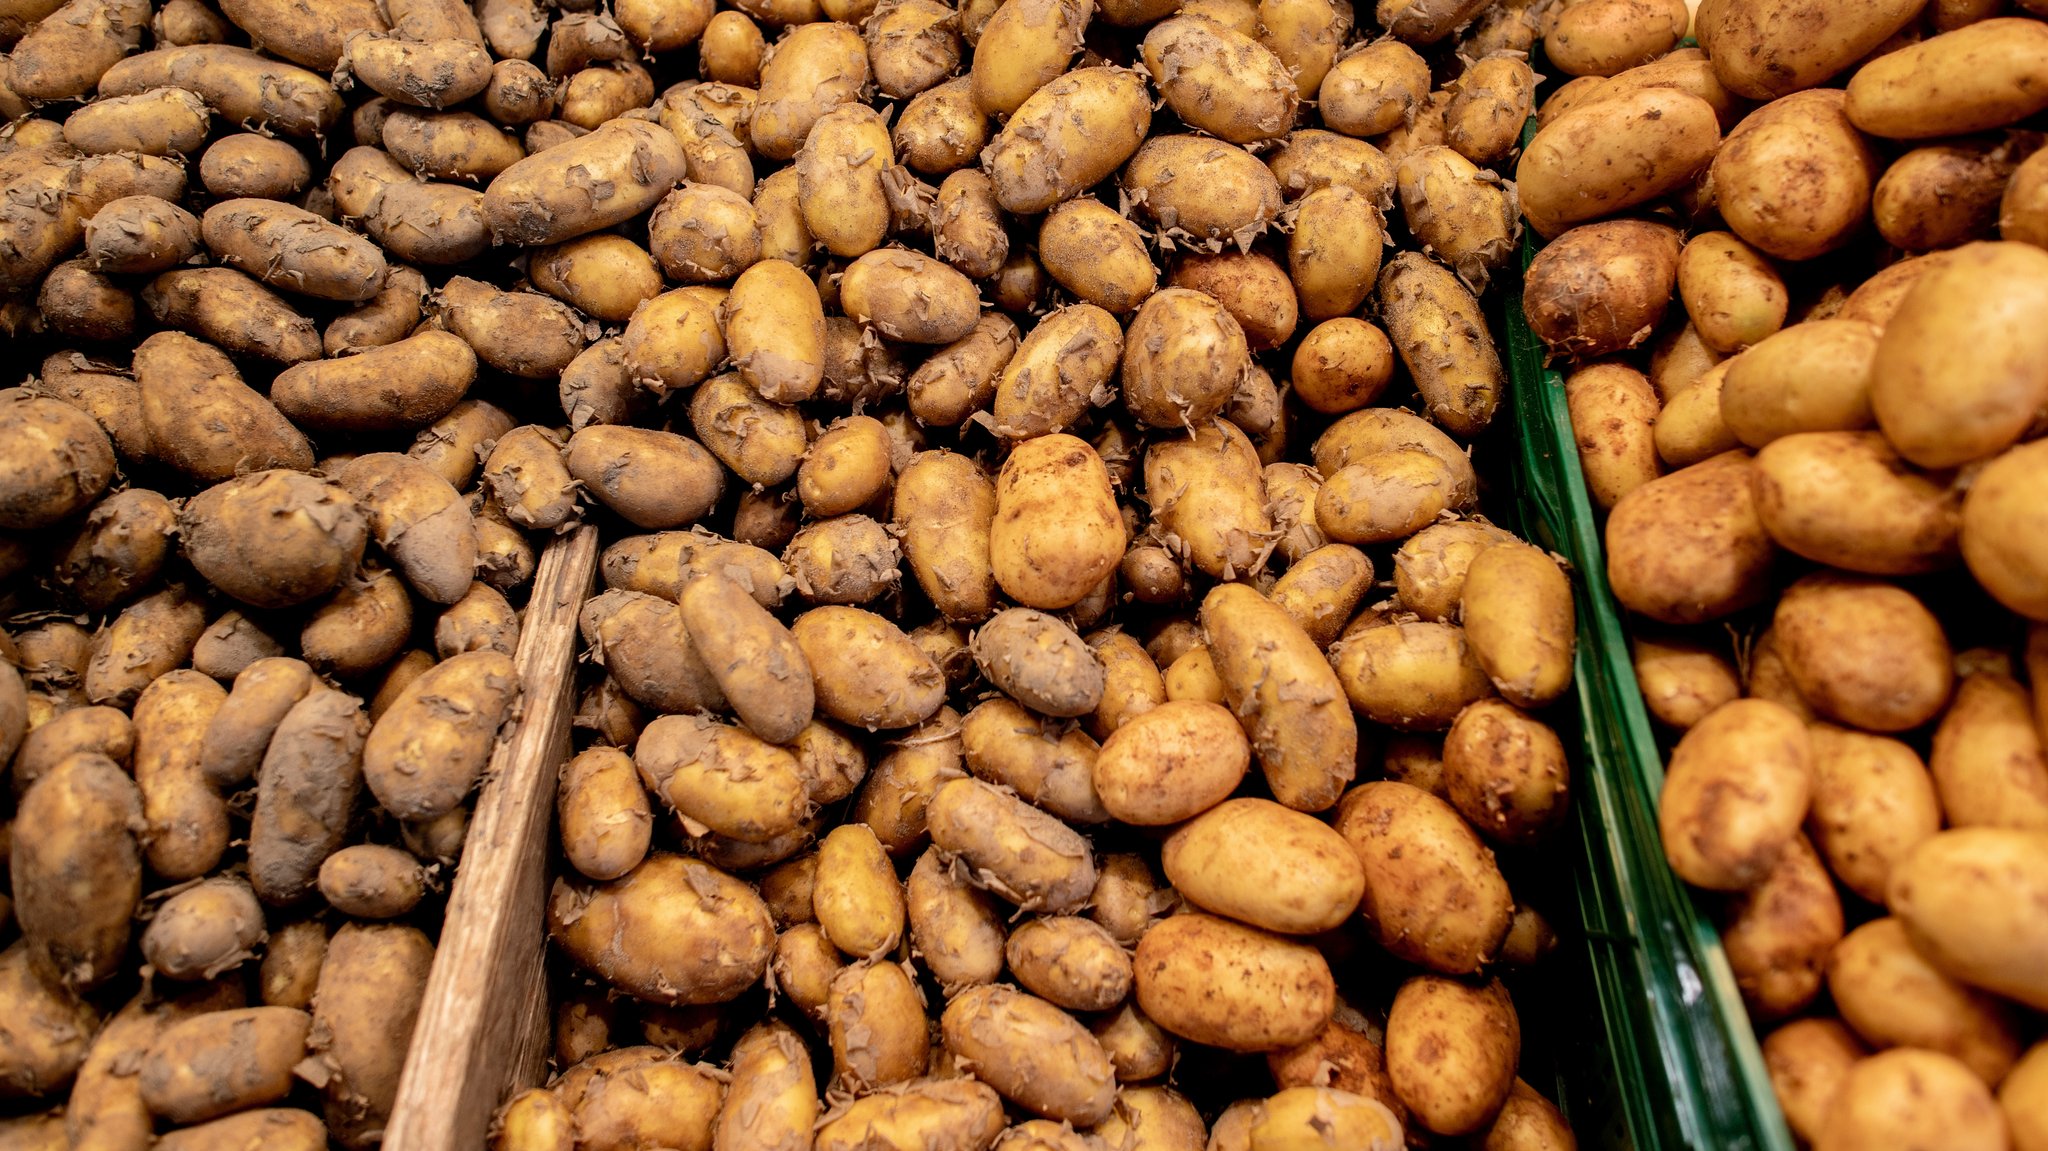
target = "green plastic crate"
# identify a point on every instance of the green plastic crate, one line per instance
(1681, 1064)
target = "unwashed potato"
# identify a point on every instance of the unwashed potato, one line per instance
(1232, 986)
(1301, 878)
(1734, 794)
(1451, 1051)
(1567, 175)
(1433, 894)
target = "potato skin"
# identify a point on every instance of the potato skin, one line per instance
(1752, 749)
(1220, 81)
(1033, 1053)
(1067, 136)
(672, 930)
(1232, 986)
(1058, 371)
(1171, 762)
(1022, 854)
(292, 248)
(1846, 499)
(1056, 532)
(311, 537)
(1863, 652)
(722, 777)
(223, 1061)
(817, 68)
(204, 930)
(1567, 176)
(1996, 63)
(48, 1029)
(1446, 908)
(944, 508)
(923, 1112)
(1873, 802)
(1451, 1051)
(866, 671)
(1436, 325)
(1602, 287)
(1287, 697)
(77, 869)
(1998, 541)
(371, 985)
(874, 1016)
(189, 391)
(536, 202)
(1689, 547)
(953, 925)
(428, 749)
(1303, 878)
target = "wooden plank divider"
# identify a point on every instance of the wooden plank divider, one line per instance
(483, 1028)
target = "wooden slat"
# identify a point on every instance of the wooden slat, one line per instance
(482, 1030)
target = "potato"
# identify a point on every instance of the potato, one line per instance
(857, 899)
(1209, 495)
(118, 551)
(1986, 951)
(264, 693)
(652, 479)
(1323, 588)
(1682, 681)
(1056, 532)
(1202, 189)
(1816, 215)
(1465, 218)
(1566, 176)
(605, 276)
(369, 881)
(923, 1112)
(1434, 322)
(1763, 51)
(1751, 749)
(428, 750)
(1602, 287)
(158, 122)
(1231, 986)
(306, 790)
(249, 164)
(628, 166)
(386, 318)
(2022, 207)
(223, 1061)
(150, 637)
(1863, 652)
(360, 628)
(1517, 611)
(967, 224)
(1779, 933)
(204, 420)
(1039, 661)
(1372, 89)
(292, 248)
(605, 818)
(1603, 37)
(1345, 1055)
(1689, 547)
(1451, 1051)
(1219, 81)
(419, 521)
(1097, 254)
(1811, 377)
(1489, 103)
(1995, 63)
(1894, 998)
(48, 1029)
(1430, 568)
(1021, 52)
(1733, 295)
(659, 563)
(771, 1101)
(1253, 288)
(1312, 159)
(1303, 879)
(1183, 358)
(519, 92)
(204, 930)
(1305, 34)
(1987, 760)
(1433, 894)
(1949, 1104)
(64, 55)
(1807, 1060)
(140, 235)
(875, 1016)
(371, 985)
(1613, 412)
(849, 559)
(439, 73)
(1873, 802)
(941, 129)
(186, 820)
(907, 296)
(524, 334)
(1034, 1054)
(1410, 676)
(944, 508)
(1505, 772)
(417, 221)
(1845, 499)
(1020, 853)
(709, 940)
(1945, 194)
(77, 869)
(1062, 367)
(866, 671)
(2020, 1098)
(58, 460)
(1997, 538)
(1287, 699)
(105, 1108)
(954, 926)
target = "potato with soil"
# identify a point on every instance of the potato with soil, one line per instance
(910, 297)
(1097, 254)
(1690, 547)
(1302, 879)
(371, 985)
(293, 249)
(591, 183)
(1796, 220)
(1602, 288)
(1232, 986)
(274, 538)
(76, 869)
(1433, 894)
(1847, 500)
(1599, 159)
(1287, 697)
(1220, 81)
(428, 749)
(723, 778)
(1436, 324)
(306, 791)
(223, 1061)
(865, 670)
(1016, 851)
(48, 1029)
(204, 930)
(1033, 1053)
(1452, 1051)
(1735, 792)
(1056, 532)
(672, 930)
(1171, 762)
(1998, 540)
(1211, 192)
(1863, 652)
(1061, 368)
(944, 509)
(1208, 497)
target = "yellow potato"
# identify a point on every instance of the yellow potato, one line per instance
(953, 925)
(1313, 159)
(672, 930)
(1411, 676)
(1299, 879)
(1689, 547)
(1987, 760)
(1518, 617)
(1603, 37)
(1433, 894)
(535, 201)
(1061, 369)
(1023, 49)
(1999, 542)
(1863, 652)
(1430, 568)
(1873, 802)
(1779, 933)
(1056, 532)
(1505, 771)
(1436, 325)
(1451, 1051)
(1734, 794)
(1807, 1060)
(1373, 88)
(1846, 499)
(1910, 1095)
(874, 1014)
(1802, 218)
(1765, 50)
(1220, 81)
(1573, 170)
(923, 1112)
(1231, 986)
(1892, 997)
(2022, 1099)
(960, 379)
(1070, 962)
(1209, 191)
(723, 778)
(1990, 71)
(429, 748)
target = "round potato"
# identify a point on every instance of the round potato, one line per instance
(1571, 172)
(1452, 1051)
(1734, 794)
(1804, 218)
(1863, 652)
(1690, 547)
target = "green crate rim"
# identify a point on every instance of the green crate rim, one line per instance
(1687, 1068)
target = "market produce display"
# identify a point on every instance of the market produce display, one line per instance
(1049, 640)
(1804, 362)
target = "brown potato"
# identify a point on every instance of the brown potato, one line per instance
(1060, 369)
(1847, 500)
(1302, 878)
(1802, 219)
(1628, 266)
(1987, 760)
(1751, 749)
(1863, 652)
(1950, 1103)
(1069, 961)
(223, 1061)
(1056, 532)
(1231, 986)
(1433, 894)
(1998, 540)
(79, 839)
(1016, 851)
(1780, 932)
(1209, 191)
(1689, 547)
(1893, 997)
(1435, 323)
(1289, 701)
(371, 985)
(866, 671)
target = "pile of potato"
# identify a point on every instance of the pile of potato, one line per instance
(1827, 508)
(1049, 655)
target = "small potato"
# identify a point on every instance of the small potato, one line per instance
(1056, 532)
(1306, 35)
(1436, 325)
(967, 225)
(1807, 1060)
(1231, 986)
(1572, 172)
(370, 881)
(1302, 878)
(857, 900)
(1492, 100)
(906, 296)
(1022, 51)
(250, 164)
(419, 222)
(140, 235)
(1040, 662)
(875, 1017)
(294, 249)
(49, 1029)
(1811, 377)
(118, 552)
(1322, 590)
(527, 476)
(1410, 676)
(1425, 21)
(204, 930)
(1164, 1116)
(2023, 207)
(524, 334)
(1069, 961)
(101, 730)
(159, 122)
(223, 1061)
(1254, 289)
(1998, 541)
(1209, 492)
(923, 1112)
(1313, 159)
(1345, 1055)
(1210, 191)
(1373, 89)
(1681, 681)
(1031, 1052)
(1506, 772)
(954, 926)
(866, 671)
(1132, 682)
(672, 930)
(1780, 932)
(941, 129)
(1613, 411)
(1220, 81)
(1451, 1051)
(80, 837)
(1020, 853)
(1949, 1105)
(1761, 52)
(653, 479)
(1863, 652)
(535, 202)
(418, 519)
(1097, 254)
(149, 639)
(1060, 369)
(1171, 762)
(1873, 802)
(605, 276)
(58, 460)
(1691, 429)
(1733, 295)
(1433, 894)
(1603, 37)
(839, 178)
(1950, 921)
(1183, 357)
(1847, 500)
(363, 626)
(2020, 1097)
(944, 508)
(1689, 547)
(849, 559)
(1518, 616)
(428, 750)
(772, 1100)
(723, 778)
(605, 817)
(1735, 791)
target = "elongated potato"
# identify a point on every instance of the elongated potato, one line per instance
(1056, 532)
(819, 67)
(1068, 135)
(1446, 908)
(1059, 370)
(1736, 789)
(76, 868)
(1016, 851)
(306, 790)
(1436, 325)
(924, 1112)
(1518, 616)
(1286, 695)
(1036, 1055)
(772, 1101)
(672, 930)
(1570, 173)
(1231, 986)
(615, 173)
(371, 985)
(428, 750)
(1303, 878)
(944, 508)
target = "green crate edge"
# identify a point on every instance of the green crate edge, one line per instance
(1667, 997)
